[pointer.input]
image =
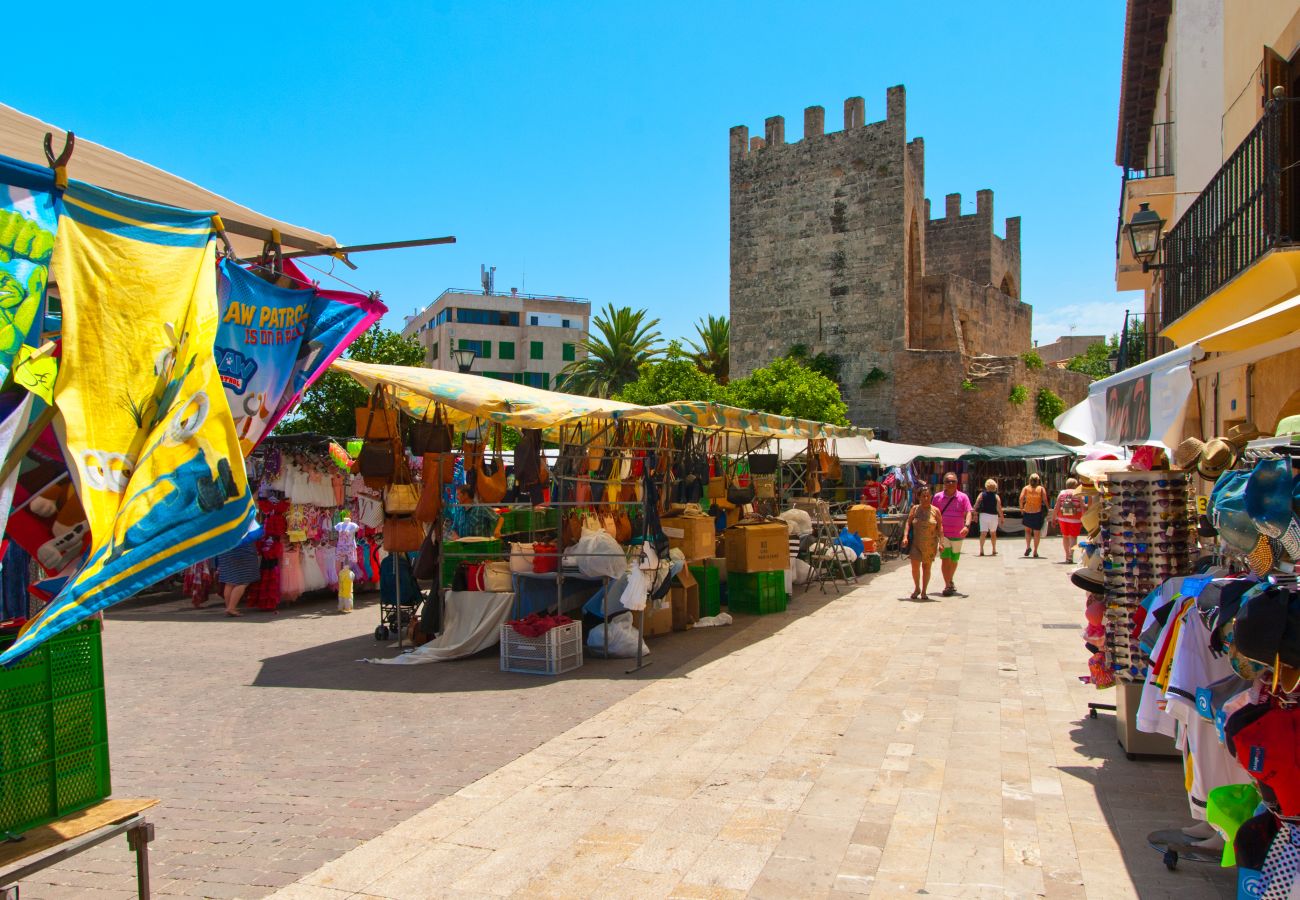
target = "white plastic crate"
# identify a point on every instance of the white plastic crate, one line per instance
(559, 650)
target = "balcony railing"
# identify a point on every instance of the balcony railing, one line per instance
(1238, 218)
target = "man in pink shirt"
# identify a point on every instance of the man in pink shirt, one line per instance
(955, 507)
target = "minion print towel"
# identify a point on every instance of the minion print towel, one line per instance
(148, 435)
(27, 222)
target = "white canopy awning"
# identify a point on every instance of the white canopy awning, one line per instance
(885, 453)
(23, 137)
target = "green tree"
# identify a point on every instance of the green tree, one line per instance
(329, 405)
(1093, 361)
(789, 388)
(713, 351)
(826, 364)
(622, 340)
(1032, 360)
(675, 377)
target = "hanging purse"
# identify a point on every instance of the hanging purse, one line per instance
(764, 486)
(426, 562)
(490, 487)
(737, 494)
(528, 458)
(402, 534)
(622, 526)
(830, 467)
(763, 463)
(376, 420)
(431, 435)
(546, 558)
(376, 461)
(401, 500)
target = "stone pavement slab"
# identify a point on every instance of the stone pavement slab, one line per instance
(274, 751)
(866, 746)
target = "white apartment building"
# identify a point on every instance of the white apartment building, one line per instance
(522, 338)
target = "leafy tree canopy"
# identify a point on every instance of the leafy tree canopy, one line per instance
(1093, 361)
(676, 377)
(826, 364)
(789, 388)
(329, 405)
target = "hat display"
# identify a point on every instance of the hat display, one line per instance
(1221, 453)
(1188, 452)
(1093, 469)
(1267, 743)
(1228, 502)
(1267, 628)
(1089, 577)
(1268, 496)
(1260, 560)
(1227, 808)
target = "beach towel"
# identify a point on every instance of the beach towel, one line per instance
(27, 228)
(150, 444)
(274, 341)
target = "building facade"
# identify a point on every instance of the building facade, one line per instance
(521, 338)
(1209, 137)
(833, 248)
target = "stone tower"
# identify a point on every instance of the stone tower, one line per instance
(833, 247)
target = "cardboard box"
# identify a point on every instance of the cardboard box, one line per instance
(685, 596)
(695, 536)
(758, 548)
(659, 618)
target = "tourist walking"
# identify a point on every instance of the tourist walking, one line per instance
(1033, 505)
(924, 525)
(988, 506)
(1069, 514)
(956, 510)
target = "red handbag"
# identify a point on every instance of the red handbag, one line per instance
(546, 558)
(474, 576)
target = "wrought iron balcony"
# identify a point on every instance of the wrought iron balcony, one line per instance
(1155, 160)
(1242, 214)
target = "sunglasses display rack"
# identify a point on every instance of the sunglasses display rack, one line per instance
(1147, 536)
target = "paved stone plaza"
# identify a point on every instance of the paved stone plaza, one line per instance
(861, 744)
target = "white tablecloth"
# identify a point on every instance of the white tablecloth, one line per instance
(473, 623)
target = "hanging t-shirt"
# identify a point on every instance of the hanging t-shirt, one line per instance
(347, 540)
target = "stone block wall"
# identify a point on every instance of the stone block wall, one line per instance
(988, 322)
(933, 405)
(818, 231)
(966, 245)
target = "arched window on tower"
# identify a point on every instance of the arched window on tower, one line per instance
(1008, 287)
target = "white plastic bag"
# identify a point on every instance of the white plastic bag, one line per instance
(637, 588)
(797, 521)
(599, 555)
(622, 637)
(800, 571)
(712, 621)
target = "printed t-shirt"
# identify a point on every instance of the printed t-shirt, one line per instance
(955, 510)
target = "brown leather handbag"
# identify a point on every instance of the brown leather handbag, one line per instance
(377, 420)
(432, 435)
(491, 486)
(623, 525)
(430, 506)
(402, 534)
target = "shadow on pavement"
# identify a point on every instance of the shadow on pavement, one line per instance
(1134, 796)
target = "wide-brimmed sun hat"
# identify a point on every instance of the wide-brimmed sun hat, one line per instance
(1188, 452)
(1220, 454)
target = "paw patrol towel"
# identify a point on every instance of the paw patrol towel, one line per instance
(149, 438)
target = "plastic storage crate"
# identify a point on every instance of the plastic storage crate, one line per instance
(757, 593)
(53, 730)
(709, 579)
(456, 552)
(559, 650)
(529, 520)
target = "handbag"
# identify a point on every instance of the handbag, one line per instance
(402, 534)
(491, 486)
(426, 561)
(429, 507)
(401, 499)
(764, 486)
(521, 558)
(762, 463)
(497, 577)
(376, 461)
(608, 524)
(622, 525)
(376, 420)
(440, 467)
(431, 435)
(529, 464)
(546, 558)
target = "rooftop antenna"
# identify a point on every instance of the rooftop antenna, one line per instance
(487, 277)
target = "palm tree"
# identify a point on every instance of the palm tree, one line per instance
(621, 340)
(713, 352)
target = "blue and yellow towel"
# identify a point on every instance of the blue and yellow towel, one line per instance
(141, 411)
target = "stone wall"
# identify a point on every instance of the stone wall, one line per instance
(933, 405)
(966, 245)
(818, 230)
(989, 322)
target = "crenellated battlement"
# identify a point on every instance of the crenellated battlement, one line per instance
(814, 124)
(967, 245)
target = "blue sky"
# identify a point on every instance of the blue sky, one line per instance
(582, 148)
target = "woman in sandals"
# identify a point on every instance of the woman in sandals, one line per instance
(924, 526)
(1033, 506)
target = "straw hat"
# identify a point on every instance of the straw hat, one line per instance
(1188, 452)
(1221, 453)
(1093, 469)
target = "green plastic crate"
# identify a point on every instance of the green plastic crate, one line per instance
(757, 593)
(53, 730)
(455, 552)
(873, 561)
(530, 520)
(710, 581)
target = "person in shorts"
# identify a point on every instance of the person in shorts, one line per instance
(1068, 513)
(956, 509)
(1033, 505)
(988, 506)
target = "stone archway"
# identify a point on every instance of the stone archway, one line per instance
(1008, 287)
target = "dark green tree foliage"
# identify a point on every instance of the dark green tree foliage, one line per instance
(826, 364)
(621, 341)
(712, 352)
(789, 388)
(675, 377)
(329, 405)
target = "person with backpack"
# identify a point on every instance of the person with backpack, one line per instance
(989, 507)
(1033, 506)
(1069, 510)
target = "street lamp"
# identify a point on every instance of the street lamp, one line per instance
(1144, 231)
(1112, 363)
(464, 358)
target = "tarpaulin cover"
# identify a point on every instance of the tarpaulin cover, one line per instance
(470, 397)
(142, 414)
(719, 417)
